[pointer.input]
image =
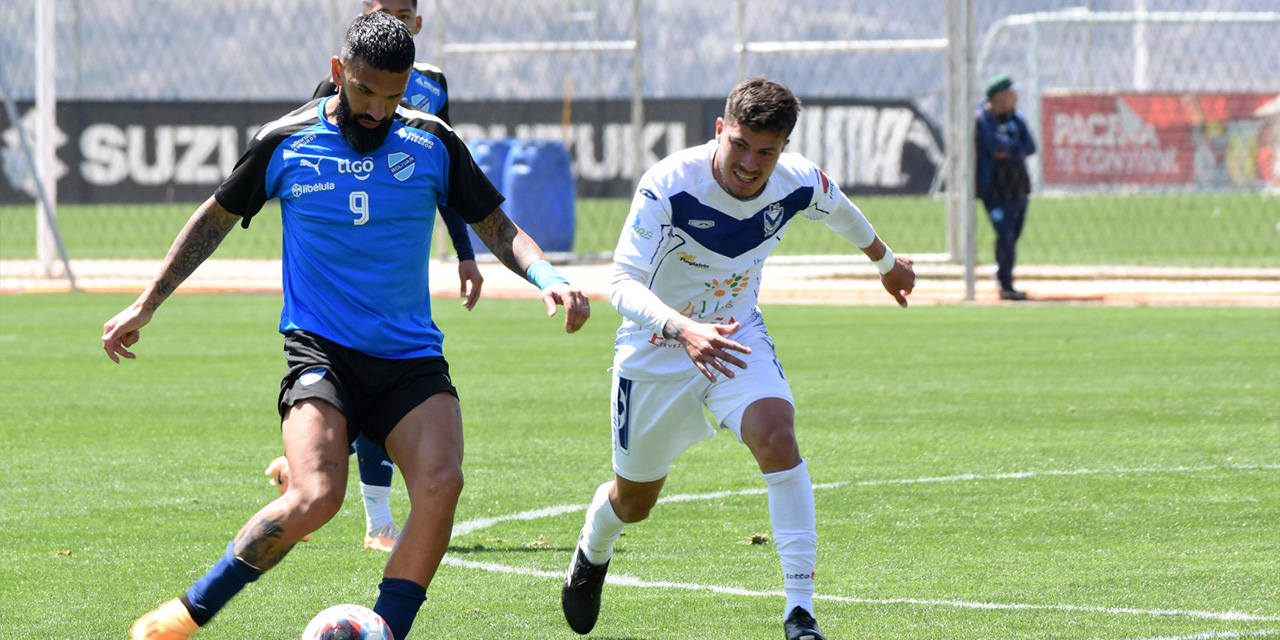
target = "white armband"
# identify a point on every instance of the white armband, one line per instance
(885, 263)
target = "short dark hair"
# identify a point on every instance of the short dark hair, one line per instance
(763, 105)
(369, 3)
(380, 41)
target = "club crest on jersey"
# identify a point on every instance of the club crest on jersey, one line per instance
(772, 219)
(401, 165)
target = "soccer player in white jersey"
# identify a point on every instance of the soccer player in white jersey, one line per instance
(686, 280)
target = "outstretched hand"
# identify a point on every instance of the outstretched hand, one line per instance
(123, 331)
(900, 280)
(577, 308)
(708, 348)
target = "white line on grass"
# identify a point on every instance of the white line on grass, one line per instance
(472, 526)
(628, 581)
(1217, 635)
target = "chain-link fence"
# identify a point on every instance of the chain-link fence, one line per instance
(156, 101)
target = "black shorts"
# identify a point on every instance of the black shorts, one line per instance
(373, 393)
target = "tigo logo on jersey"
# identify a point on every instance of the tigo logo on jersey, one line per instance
(360, 169)
(401, 165)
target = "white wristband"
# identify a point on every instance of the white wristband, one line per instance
(885, 263)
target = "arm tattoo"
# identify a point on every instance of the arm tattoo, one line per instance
(194, 244)
(507, 242)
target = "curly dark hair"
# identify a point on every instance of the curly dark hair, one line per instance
(762, 105)
(380, 41)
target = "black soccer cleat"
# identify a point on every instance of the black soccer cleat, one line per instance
(800, 625)
(580, 596)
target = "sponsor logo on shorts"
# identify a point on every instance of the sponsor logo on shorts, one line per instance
(312, 376)
(622, 415)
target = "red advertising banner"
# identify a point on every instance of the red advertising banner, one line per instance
(1208, 140)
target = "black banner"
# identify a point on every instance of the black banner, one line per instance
(129, 152)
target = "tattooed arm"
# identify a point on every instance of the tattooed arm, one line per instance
(195, 243)
(515, 249)
(508, 242)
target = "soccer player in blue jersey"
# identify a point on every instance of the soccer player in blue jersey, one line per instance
(686, 281)
(358, 177)
(427, 91)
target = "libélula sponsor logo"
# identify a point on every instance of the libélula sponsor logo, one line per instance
(300, 190)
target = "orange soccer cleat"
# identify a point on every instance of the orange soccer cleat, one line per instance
(169, 621)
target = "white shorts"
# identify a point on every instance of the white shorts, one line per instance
(654, 421)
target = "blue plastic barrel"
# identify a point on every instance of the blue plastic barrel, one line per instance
(491, 156)
(538, 184)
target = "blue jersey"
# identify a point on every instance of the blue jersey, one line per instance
(357, 227)
(428, 90)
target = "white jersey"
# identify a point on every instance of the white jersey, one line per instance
(701, 250)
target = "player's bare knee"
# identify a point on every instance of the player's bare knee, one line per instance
(775, 448)
(444, 483)
(632, 509)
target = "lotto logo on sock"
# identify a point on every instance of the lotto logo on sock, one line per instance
(799, 576)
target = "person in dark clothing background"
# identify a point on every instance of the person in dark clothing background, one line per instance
(1003, 143)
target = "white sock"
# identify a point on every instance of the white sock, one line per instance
(377, 506)
(795, 532)
(602, 528)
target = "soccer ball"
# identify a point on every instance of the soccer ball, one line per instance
(347, 622)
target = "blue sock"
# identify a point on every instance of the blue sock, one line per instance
(214, 589)
(375, 466)
(398, 604)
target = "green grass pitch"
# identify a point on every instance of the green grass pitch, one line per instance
(1065, 473)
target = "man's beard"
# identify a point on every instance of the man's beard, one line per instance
(360, 137)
